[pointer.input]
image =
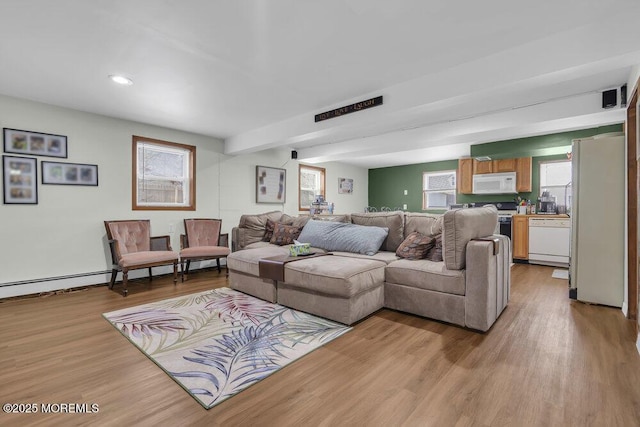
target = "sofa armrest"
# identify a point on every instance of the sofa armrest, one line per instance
(235, 239)
(488, 280)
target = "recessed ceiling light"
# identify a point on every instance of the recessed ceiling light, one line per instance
(121, 80)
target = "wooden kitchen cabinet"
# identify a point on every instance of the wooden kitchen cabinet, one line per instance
(468, 167)
(482, 167)
(520, 236)
(523, 174)
(465, 176)
(504, 165)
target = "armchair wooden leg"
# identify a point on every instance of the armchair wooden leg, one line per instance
(175, 272)
(114, 273)
(125, 279)
(185, 271)
(182, 270)
(150, 275)
(218, 263)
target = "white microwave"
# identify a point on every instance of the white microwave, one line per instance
(495, 183)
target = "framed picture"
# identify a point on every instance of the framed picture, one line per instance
(345, 186)
(34, 143)
(69, 173)
(20, 180)
(271, 185)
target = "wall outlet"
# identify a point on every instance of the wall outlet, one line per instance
(171, 230)
(404, 206)
(406, 192)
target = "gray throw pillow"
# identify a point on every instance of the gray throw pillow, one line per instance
(340, 236)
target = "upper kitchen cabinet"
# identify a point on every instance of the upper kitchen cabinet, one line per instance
(504, 165)
(468, 167)
(480, 167)
(523, 174)
(465, 176)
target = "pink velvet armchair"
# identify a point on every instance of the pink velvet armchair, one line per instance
(133, 247)
(202, 240)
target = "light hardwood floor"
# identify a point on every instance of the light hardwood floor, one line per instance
(547, 361)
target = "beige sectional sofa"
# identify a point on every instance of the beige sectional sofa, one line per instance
(469, 287)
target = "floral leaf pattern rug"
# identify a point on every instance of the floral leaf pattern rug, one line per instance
(217, 343)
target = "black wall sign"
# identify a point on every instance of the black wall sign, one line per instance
(362, 105)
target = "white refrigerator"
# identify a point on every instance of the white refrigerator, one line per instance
(597, 258)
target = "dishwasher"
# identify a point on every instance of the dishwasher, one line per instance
(549, 241)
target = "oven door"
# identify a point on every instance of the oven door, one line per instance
(504, 225)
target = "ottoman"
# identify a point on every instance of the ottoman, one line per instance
(338, 288)
(244, 272)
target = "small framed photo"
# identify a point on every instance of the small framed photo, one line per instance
(345, 186)
(34, 143)
(20, 180)
(69, 173)
(270, 185)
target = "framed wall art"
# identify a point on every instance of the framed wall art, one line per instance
(34, 143)
(69, 173)
(270, 185)
(20, 180)
(345, 186)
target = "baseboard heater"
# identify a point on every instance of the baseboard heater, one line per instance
(35, 287)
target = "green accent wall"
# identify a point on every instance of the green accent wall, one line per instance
(387, 185)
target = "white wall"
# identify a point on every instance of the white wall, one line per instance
(238, 191)
(63, 236)
(633, 79)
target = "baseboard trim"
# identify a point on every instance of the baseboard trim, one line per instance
(47, 285)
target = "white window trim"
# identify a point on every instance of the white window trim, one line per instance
(188, 178)
(426, 192)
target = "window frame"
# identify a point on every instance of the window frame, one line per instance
(426, 192)
(323, 182)
(189, 176)
(560, 187)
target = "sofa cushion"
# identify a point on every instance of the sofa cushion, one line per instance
(415, 246)
(333, 275)
(436, 227)
(420, 222)
(435, 253)
(339, 236)
(270, 225)
(424, 274)
(284, 234)
(383, 256)
(268, 230)
(253, 227)
(246, 261)
(393, 221)
(460, 226)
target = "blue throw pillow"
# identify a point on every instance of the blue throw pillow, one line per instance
(345, 237)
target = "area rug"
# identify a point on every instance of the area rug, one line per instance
(219, 342)
(560, 274)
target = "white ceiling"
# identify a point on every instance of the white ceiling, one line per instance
(255, 73)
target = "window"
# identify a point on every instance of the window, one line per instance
(438, 189)
(163, 175)
(311, 182)
(554, 177)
